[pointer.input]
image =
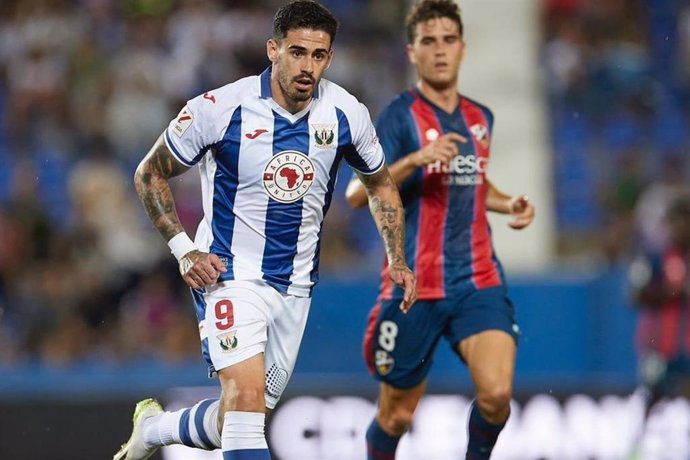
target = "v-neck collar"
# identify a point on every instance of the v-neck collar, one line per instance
(266, 93)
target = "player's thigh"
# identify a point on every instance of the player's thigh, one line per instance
(399, 347)
(287, 322)
(399, 401)
(235, 323)
(490, 358)
(484, 333)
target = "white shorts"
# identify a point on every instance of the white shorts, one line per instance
(240, 319)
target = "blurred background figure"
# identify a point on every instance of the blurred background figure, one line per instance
(661, 284)
(660, 280)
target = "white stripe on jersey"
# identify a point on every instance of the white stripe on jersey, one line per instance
(307, 241)
(251, 202)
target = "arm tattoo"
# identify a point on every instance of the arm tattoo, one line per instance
(387, 210)
(151, 182)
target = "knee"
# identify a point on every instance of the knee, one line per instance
(396, 420)
(243, 399)
(494, 402)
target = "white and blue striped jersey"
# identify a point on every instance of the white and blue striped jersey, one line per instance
(267, 175)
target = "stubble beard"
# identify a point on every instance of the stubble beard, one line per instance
(291, 93)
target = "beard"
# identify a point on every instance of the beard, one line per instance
(287, 86)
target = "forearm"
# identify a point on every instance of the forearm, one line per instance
(400, 170)
(387, 210)
(496, 200)
(153, 188)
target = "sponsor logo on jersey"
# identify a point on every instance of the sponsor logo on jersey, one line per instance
(228, 341)
(462, 170)
(288, 176)
(384, 362)
(182, 122)
(481, 134)
(210, 97)
(256, 133)
(324, 135)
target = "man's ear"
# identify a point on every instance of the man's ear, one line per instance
(330, 59)
(410, 55)
(272, 50)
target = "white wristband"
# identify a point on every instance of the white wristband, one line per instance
(180, 245)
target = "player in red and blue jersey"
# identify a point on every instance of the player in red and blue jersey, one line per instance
(661, 284)
(437, 144)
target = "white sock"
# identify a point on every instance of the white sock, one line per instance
(243, 430)
(195, 426)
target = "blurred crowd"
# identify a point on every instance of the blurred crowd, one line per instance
(617, 77)
(85, 89)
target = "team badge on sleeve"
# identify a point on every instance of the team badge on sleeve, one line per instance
(182, 122)
(288, 176)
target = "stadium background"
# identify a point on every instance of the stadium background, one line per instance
(591, 100)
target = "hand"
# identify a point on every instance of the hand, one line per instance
(522, 211)
(401, 275)
(444, 149)
(199, 269)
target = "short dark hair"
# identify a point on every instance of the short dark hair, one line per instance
(304, 14)
(424, 10)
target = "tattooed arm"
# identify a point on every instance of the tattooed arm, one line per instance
(387, 210)
(197, 268)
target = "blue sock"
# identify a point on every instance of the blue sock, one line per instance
(380, 445)
(247, 454)
(483, 436)
(195, 426)
(243, 436)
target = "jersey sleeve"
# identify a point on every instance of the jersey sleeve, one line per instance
(366, 156)
(390, 128)
(190, 134)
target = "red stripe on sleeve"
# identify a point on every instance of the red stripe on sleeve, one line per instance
(484, 271)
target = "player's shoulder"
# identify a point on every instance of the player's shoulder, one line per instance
(336, 95)
(230, 95)
(483, 107)
(399, 106)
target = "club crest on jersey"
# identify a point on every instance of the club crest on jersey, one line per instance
(288, 176)
(384, 362)
(324, 135)
(431, 134)
(182, 122)
(481, 134)
(228, 341)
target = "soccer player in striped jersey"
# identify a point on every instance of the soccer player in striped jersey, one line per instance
(437, 143)
(268, 149)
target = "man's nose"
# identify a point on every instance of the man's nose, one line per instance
(308, 66)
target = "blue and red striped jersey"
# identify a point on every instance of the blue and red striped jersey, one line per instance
(664, 327)
(447, 235)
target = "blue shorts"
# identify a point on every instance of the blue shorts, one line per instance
(399, 347)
